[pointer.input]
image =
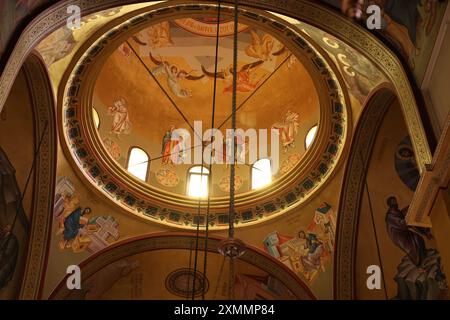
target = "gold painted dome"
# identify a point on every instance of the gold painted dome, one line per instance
(150, 77)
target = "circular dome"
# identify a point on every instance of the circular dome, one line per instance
(151, 79)
(162, 79)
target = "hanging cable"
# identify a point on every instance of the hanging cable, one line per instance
(211, 141)
(36, 156)
(232, 248)
(197, 233)
(210, 171)
(33, 166)
(233, 122)
(366, 185)
(189, 272)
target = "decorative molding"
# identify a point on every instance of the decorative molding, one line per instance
(352, 192)
(45, 170)
(171, 240)
(436, 177)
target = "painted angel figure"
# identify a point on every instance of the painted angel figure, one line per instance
(158, 36)
(244, 79)
(262, 48)
(121, 119)
(288, 129)
(174, 76)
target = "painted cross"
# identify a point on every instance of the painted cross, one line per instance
(108, 227)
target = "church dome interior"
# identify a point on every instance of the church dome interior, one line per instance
(166, 152)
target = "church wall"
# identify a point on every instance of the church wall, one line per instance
(289, 224)
(383, 181)
(18, 142)
(437, 90)
(127, 225)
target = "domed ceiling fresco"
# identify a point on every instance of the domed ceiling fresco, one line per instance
(162, 78)
(131, 78)
(138, 88)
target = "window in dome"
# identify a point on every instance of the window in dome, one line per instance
(138, 161)
(310, 136)
(96, 118)
(261, 173)
(198, 182)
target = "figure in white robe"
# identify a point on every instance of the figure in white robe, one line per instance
(174, 75)
(121, 119)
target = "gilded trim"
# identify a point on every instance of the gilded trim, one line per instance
(43, 105)
(352, 192)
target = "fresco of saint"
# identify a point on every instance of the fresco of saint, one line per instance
(419, 274)
(288, 129)
(168, 145)
(121, 119)
(403, 21)
(80, 231)
(310, 251)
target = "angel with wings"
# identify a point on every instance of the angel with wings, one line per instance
(243, 81)
(262, 47)
(174, 75)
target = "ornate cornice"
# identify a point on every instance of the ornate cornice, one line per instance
(160, 241)
(45, 169)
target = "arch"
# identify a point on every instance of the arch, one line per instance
(303, 10)
(45, 175)
(352, 191)
(182, 240)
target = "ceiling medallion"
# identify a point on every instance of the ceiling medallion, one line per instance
(185, 283)
(86, 151)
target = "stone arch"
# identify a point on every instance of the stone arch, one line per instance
(45, 171)
(185, 241)
(352, 191)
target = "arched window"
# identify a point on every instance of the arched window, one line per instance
(310, 136)
(138, 161)
(261, 173)
(198, 182)
(96, 118)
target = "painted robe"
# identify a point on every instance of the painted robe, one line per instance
(404, 238)
(121, 120)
